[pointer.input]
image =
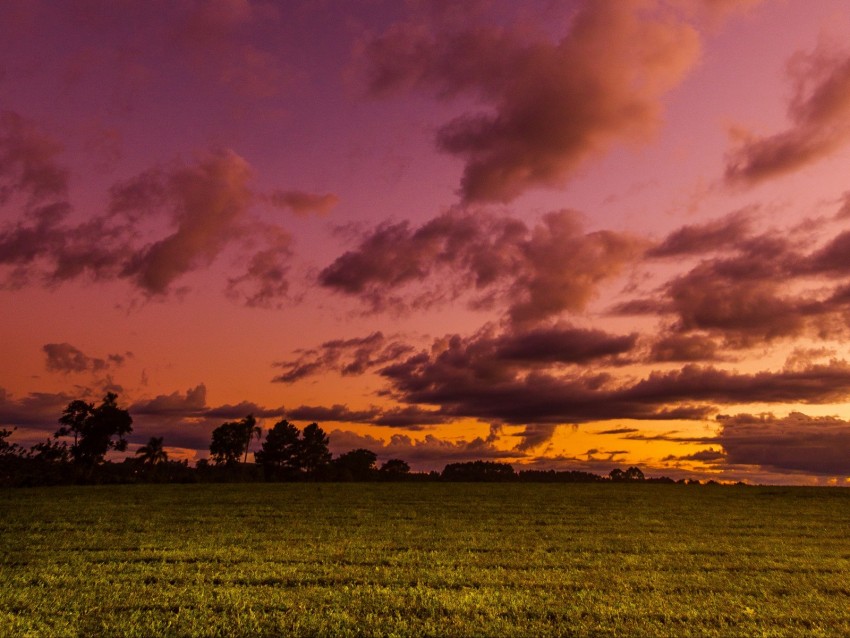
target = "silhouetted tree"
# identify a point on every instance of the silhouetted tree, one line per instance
(11, 458)
(564, 476)
(9, 449)
(478, 471)
(356, 465)
(632, 474)
(51, 451)
(394, 469)
(96, 430)
(314, 455)
(231, 440)
(73, 421)
(153, 453)
(280, 455)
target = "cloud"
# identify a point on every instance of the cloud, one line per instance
(410, 417)
(534, 436)
(185, 419)
(265, 283)
(28, 162)
(618, 431)
(206, 201)
(748, 290)
(720, 234)
(744, 312)
(710, 456)
(540, 272)
(716, 10)
(302, 203)
(242, 409)
(191, 403)
(796, 443)
(830, 259)
(466, 378)
(40, 410)
(345, 356)
(685, 348)
(819, 111)
(63, 357)
(336, 412)
(550, 106)
(214, 35)
(561, 343)
(159, 226)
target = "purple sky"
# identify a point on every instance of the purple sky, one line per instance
(576, 235)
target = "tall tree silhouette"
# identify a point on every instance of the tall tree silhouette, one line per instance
(96, 430)
(314, 455)
(249, 423)
(280, 453)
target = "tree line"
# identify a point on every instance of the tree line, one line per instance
(76, 453)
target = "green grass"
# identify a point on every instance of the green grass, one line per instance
(424, 559)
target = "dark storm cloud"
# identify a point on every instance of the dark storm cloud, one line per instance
(540, 271)
(551, 105)
(816, 445)
(819, 111)
(345, 356)
(463, 379)
(561, 344)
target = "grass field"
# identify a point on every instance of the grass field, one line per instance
(424, 559)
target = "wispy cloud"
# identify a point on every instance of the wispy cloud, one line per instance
(819, 111)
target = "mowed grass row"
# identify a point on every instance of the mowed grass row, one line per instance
(424, 559)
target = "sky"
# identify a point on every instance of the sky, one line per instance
(571, 235)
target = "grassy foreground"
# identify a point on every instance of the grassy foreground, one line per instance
(424, 559)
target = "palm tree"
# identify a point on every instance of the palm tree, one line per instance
(251, 430)
(153, 454)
